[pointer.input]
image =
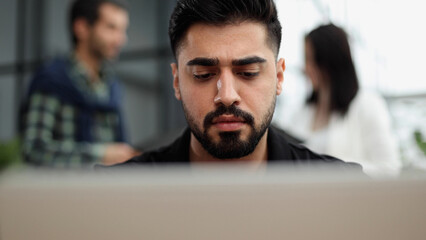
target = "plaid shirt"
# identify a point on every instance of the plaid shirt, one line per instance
(49, 137)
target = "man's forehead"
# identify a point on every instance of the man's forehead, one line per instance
(236, 41)
(234, 62)
(109, 10)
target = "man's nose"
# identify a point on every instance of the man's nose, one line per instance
(227, 90)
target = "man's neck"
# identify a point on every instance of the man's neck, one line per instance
(197, 154)
(90, 62)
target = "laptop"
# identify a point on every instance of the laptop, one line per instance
(214, 203)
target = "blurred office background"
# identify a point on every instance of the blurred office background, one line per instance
(387, 39)
(388, 46)
(33, 31)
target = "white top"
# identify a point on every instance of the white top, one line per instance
(317, 140)
(363, 135)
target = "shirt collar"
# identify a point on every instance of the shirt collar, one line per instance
(80, 69)
(278, 148)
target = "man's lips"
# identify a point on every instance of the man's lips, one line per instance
(228, 123)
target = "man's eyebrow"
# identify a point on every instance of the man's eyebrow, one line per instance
(247, 61)
(203, 62)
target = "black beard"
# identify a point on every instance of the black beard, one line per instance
(230, 145)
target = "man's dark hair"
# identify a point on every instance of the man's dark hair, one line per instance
(89, 10)
(223, 12)
(332, 55)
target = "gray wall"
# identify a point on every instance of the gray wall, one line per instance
(40, 30)
(7, 78)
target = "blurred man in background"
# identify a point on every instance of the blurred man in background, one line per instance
(73, 116)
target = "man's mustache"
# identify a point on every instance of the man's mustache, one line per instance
(230, 110)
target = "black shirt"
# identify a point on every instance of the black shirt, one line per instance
(279, 151)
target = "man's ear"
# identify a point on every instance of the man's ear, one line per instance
(280, 75)
(175, 73)
(81, 29)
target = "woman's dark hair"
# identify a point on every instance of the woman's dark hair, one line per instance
(222, 12)
(332, 56)
(89, 10)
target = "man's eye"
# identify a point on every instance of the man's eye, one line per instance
(248, 74)
(205, 76)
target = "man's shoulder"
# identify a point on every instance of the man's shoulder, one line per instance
(54, 65)
(161, 155)
(291, 151)
(173, 154)
(303, 154)
(51, 74)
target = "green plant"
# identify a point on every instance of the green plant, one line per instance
(420, 142)
(9, 153)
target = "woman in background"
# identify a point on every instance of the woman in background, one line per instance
(339, 119)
